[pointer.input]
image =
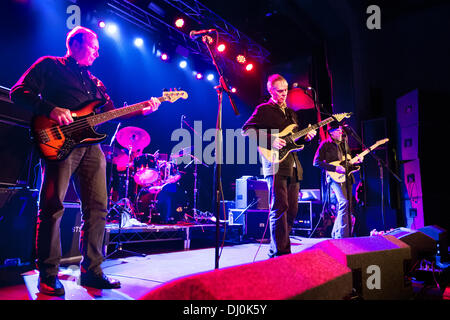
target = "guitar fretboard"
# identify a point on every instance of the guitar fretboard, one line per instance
(297, 135)
(116, 113)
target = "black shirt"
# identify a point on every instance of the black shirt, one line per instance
(270, 116)
(57, 81)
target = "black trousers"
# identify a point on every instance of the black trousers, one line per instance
(87, 166)
(283, 202)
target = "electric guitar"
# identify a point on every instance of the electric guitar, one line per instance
(288, 134)
(340, 177)
(56, 142)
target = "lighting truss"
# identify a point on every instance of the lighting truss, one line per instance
(198, 13)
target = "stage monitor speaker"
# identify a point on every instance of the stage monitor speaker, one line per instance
(306, 275)
(422, 245)
(377, 263)
(252, 193)
(18, 214)
(441, 237)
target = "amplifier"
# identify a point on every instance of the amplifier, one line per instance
(254, 222)
(252, 193)
(18, 214)
(71, 224)
(17, 154)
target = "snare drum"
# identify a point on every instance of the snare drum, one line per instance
(146, 169)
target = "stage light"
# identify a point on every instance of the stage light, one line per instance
(210, 77)
(179, 23)
(111, 29)
(138, 42)
(240, 58)
(101, 24)
(199, 76)
(164, 57)
(221, 47)
(233, 90)
(249, 67)
(183, 64)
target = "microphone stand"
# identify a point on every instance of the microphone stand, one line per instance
(222, 87)
(381, 164)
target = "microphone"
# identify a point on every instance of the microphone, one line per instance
(195, 34)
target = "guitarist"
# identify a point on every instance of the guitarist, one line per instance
(330, 150)
(283, 180)
(54, 87)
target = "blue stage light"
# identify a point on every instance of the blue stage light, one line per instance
(183, 64)
(138, 42)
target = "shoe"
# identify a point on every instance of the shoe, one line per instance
(50, 285)
(98, 281)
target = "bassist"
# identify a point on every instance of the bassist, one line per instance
(54, 87)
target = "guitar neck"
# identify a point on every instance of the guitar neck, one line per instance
(117, 113)
(364, 153)
(297, 135)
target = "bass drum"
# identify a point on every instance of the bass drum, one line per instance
(165, 204)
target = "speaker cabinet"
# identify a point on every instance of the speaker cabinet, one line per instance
(18, 215)
(17, 153)
(71, 224)
(255, 222)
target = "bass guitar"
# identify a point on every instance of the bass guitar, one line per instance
(55, 142)
(288, 134)
(340, 177)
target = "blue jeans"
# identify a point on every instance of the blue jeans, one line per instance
(341, 227)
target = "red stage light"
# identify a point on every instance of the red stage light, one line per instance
(221, 47)
(179, 23)
(199, 76)
(249, 67)
(233, 90)
(240, 58)
(164, 56)
(102, 24)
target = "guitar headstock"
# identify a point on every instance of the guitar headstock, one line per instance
(380, 142)
(340, 116)
(173, 96)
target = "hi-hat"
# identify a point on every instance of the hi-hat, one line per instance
(133, 138)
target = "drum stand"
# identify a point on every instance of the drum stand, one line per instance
(124, 210)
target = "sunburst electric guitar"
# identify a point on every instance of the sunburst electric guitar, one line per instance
(340, 177)
(55, 142)
(288, 134)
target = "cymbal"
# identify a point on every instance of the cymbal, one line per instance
(133, 137)
(297, 99)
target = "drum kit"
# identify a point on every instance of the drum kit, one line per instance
(144, 186)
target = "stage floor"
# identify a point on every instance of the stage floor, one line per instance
(139, 275)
